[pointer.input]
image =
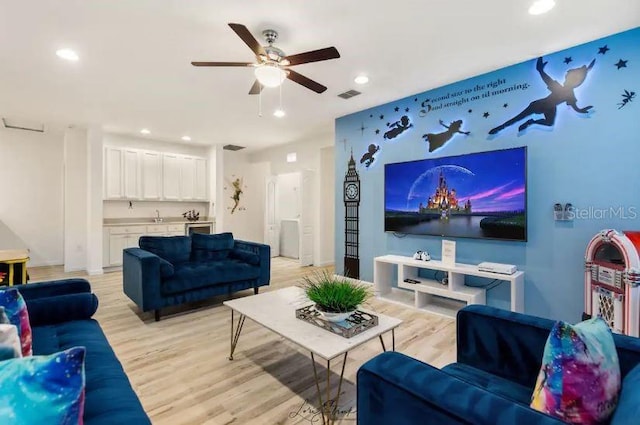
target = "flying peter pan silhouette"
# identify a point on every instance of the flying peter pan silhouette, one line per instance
(560, 93)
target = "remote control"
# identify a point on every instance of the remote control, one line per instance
(411, 281)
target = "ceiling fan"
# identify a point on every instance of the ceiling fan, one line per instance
(272, 65)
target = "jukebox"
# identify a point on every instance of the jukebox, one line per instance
(612, 280)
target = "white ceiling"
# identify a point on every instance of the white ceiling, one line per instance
(134, 68)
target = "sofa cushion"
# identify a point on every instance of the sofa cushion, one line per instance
(109, 396)
(174, 249)
(245, 256)
(628, 410)
(194, 275)
(494, 384)
(211, 247)
(166, 268)
(579, 379)
(16, 310)
(43, 389)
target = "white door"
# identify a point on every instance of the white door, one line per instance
(113, 173)
(131, 166)
(271, 228)
(187, 178)
(201, 180)
(307, 217)
(171, 177)
(151, 175)
(116, 244)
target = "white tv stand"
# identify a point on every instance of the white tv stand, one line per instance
(431, 295)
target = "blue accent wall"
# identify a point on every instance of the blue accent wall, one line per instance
(591, 160)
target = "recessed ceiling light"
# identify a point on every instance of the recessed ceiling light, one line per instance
(541, 6)
(186, 138)
(67, 54)
(279, 113)
(361, 79)
(145, 131)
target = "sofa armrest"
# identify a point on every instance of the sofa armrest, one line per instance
(141, 278)
(61, 308)
(264, 252)
(396, 389)
(502, 343)
(36, 290)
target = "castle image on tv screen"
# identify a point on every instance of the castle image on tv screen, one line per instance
(481, 195)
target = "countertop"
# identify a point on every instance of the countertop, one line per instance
(149, 221)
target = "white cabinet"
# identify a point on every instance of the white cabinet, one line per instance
(171, 177)
(131, 174)
(113, 173)
(117, 238)
(200, 189)
(187, 178)
(151, 175)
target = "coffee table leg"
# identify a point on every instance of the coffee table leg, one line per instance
(328, 410)
(393, 341)
(235, 335)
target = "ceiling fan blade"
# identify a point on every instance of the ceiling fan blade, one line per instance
(256, 88)
(314, 56)
(222, 63)
(249, 39)
(304, 81)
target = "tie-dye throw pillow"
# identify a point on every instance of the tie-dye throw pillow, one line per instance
(16, 310)
(43, 389)
(579, 380)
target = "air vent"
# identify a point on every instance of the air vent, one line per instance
(232, 147)
(349, 94)
(23, 125)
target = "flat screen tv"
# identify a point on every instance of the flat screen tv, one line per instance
(479, 195)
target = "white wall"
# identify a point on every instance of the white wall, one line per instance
(327, 205)
(95, 174)
(75, 199)
(31, 188)
(247, 222)
(118, 140)
(309, 157)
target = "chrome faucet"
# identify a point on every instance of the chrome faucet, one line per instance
(157, 219)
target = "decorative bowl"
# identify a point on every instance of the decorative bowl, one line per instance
(335, 317)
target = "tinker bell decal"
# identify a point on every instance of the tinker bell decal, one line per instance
(236, 186)
(560, 93)
(627, 97)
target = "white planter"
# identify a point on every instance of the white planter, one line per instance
(335, 317)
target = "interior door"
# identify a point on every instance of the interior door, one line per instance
(271, 228)
(307, 218)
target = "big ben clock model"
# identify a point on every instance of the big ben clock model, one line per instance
(351, 194)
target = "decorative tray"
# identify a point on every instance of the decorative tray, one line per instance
(357, 323)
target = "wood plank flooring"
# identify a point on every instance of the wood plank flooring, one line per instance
(179, 366)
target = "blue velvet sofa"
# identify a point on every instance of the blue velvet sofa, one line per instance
(499, 354)
(174, 270)
(60, 316)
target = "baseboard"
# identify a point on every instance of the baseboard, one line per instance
(95, 272)
(43, 263)
(73, 269)
(325, 263)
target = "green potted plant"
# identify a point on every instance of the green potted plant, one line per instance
(335, 298)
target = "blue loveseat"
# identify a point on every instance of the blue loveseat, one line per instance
(499, 354)
(60, 316)
(174, 270)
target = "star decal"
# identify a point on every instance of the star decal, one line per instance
(470, 110)
(381, 117)
(396, 109)
(371, 116)
(377, 131)
(603, 50)
(506, 105)
(486, 115)
(415, 99)
(621, 64)
(388, 124)
(568, 60)
(406, 109)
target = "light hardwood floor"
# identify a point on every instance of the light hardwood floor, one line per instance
(179, 366)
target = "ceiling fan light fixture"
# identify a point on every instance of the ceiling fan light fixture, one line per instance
(270, 75)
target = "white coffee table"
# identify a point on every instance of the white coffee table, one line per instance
(276, 310)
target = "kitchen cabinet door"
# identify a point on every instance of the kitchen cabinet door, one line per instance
(187, 178)
(151, 175)
(116, 244)
(171, 177)
(113, 173)
(131, 167)
(200, 189)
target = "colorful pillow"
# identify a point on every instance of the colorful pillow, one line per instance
(43, 389)
(16, 310)
(579, 380)
(3, 316)
(9, 338)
